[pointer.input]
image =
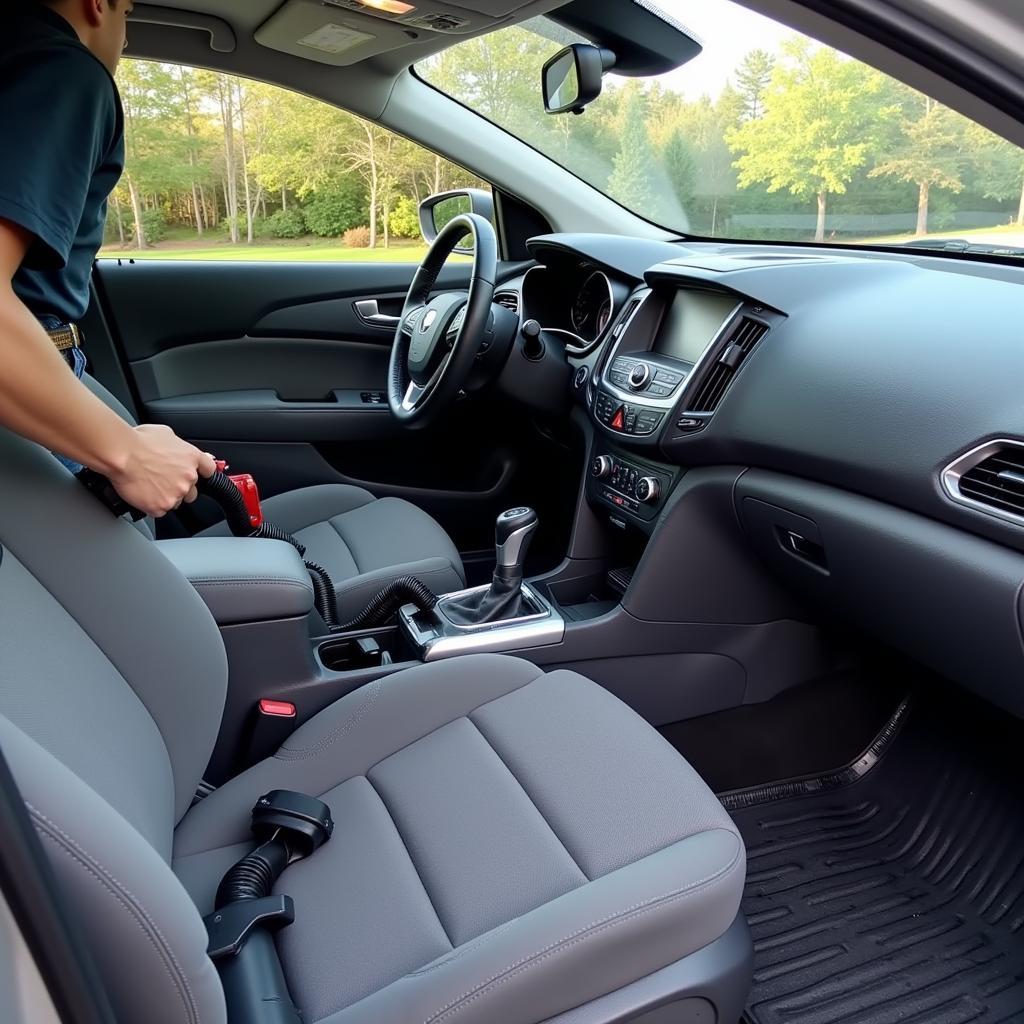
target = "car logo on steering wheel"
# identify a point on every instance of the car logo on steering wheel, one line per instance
(430, 317)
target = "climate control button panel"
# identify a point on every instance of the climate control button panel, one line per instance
(632, 489)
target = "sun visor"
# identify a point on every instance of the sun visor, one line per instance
(645, 40)
(344, 32)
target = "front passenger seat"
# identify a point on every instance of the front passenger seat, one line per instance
(362, 541)
(511, 846)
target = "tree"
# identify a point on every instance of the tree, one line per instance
(681, 167)
(929, 152)
(820, 116)
(752, 79)
(998, 166)
(188, 103)
(632, 181)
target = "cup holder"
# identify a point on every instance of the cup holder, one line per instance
(369, 649)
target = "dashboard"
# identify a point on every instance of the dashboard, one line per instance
(872, 371)
(869, 401)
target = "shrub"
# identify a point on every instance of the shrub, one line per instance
(404, 221)
(356, 238)
(153, 224)
(288, 223)
(224, 227)
(332, 211)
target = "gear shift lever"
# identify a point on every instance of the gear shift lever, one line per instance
(503, 599)
(512, 535)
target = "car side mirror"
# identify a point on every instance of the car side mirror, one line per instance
(436, 211)
(572, 78)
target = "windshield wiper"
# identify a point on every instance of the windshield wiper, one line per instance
(964, 245)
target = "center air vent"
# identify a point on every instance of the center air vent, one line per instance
(510, 300)
(744, 337)
(991, 478)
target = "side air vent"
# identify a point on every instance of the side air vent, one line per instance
(745, 336)
(991, 478)
(510, 300)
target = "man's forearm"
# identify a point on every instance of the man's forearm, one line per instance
(41, 399)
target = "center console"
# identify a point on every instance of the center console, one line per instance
(658, 349)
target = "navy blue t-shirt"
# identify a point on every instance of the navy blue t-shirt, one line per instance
(62, 146)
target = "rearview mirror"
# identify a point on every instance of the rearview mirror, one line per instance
(572, 78)
(436, 211)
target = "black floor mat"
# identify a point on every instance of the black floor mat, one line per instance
(898, 899)
(814, 727)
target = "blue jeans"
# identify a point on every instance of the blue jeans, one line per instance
(75, 358)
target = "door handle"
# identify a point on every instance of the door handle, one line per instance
(369, 312)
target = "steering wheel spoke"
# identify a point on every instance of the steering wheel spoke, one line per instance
(440, 332)
(413, 393)
(412, 320)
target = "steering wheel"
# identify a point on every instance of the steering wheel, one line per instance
(439, 336)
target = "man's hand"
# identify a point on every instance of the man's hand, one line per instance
(159, 471)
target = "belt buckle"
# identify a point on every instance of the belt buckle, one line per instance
(66, 337)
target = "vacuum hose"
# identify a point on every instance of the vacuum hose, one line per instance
(253, 877)
(407, 590)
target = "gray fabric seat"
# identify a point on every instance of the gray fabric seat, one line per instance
(511, 846)
(363, 542)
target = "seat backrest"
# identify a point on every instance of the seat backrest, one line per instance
(112, 685)
(145, 526)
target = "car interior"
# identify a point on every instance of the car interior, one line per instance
(630, 624)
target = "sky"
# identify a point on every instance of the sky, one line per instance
(728, 32)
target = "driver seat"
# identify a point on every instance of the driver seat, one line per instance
(363, 542)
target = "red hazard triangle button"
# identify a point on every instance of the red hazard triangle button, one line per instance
(618, 420)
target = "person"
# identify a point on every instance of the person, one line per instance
(62, 138)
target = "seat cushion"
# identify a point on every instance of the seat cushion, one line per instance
(509, 844)
(364, 542)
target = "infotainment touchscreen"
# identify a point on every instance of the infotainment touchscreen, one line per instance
(691, 323)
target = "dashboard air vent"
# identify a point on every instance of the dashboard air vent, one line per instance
(745, 336)
(510, 300)
(996, 481)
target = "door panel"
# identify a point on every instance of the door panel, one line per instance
(266, 365)
(160, 304)
(197, 329)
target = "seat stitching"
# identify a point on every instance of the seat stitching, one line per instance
(127, 900)
(366, 706)
(578, 936)
(488, 936)
(528, 796)
(391, 753)
(348, 547)
(408, 854)
(246, 581)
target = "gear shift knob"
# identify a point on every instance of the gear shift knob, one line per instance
(512, 535)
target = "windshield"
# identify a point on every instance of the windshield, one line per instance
(764, 135)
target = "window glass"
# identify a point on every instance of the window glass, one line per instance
(766, 134)
(224, 168)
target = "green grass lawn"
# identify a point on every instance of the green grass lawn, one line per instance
(1012, 230)
(321, 250)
